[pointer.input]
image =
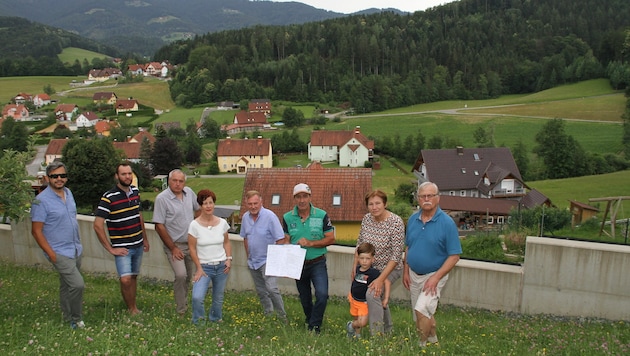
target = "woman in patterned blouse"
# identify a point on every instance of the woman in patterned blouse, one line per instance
(386, 231)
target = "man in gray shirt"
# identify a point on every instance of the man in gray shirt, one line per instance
(174, 209)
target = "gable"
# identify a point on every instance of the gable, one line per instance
(339, 138)
(55, 146)
(465, 168)
(349, 184)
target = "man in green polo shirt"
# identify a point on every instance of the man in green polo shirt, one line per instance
(310, 227)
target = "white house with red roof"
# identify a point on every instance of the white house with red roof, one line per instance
(66, 112)
(87, 119)
(349, 148)
(40, 100)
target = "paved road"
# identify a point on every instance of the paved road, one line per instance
(35, 166)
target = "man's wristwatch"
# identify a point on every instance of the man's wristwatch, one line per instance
(229, 258)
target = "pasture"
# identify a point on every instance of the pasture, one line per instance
(70, 54)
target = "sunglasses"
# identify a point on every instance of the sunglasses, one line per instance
(55, 176)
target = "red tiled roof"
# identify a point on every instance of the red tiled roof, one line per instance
(351, 184)
(90, 115)
(140, 136)
(65, 108)
(55, 146)
(131, 149)
(339, 138)
(243, 117)
(126, 103)
(245, 147)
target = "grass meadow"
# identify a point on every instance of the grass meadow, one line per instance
(70, 54)
(32, 325)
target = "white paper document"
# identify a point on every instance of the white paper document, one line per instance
(285, 261)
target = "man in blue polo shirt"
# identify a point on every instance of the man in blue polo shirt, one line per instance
(310, 228)
(260, 228)
(433, 249)
(56, 231)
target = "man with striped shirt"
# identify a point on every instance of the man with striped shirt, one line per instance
(120, 208)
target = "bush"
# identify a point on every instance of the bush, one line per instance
(515, 243)
(486, 248)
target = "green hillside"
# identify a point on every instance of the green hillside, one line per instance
(70, 54)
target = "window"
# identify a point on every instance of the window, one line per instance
(476, 156)
(336, 200)
(476, 173)
(275, 199)
(463, 170)
(462, 193)
(490, 220)
(451, 193)
(500, 220)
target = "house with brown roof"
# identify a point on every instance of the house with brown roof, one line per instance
(101, 75)
(53, 151)
(477, 185)
(87, 119)
(66, 112)
(245, 121)
(339, 191)
(349, 148)
(18, 112)
(260, 105)
(135, 69)
(131, 150)
(143, 135)
(42, 99)
(126, 105)
(242, 155)
(104, 98)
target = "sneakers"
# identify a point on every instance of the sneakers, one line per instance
(433, 339)
(350, 330)
(315, 329)
(77, 324)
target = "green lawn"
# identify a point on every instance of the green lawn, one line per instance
(32, 325)
(70, 54)
(10, 86)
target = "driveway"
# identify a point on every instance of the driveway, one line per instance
(35, 166)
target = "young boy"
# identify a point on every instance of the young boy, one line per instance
(363, 276)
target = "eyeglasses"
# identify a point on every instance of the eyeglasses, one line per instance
(55, 176)
(427, 196)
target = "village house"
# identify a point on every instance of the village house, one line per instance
(104, 98)
(104, 127)
(101, 75)
(349, 148)
(246, 122)
(40, 100)
(241, 155)
(131, 150)
(260, 105)
(126, 105)
(18, 112)
(141, 136)
(339, 191)
(478, 186)
(53, 151)
(135, 69)
(87, 119)
(66, 112)
(22, 98)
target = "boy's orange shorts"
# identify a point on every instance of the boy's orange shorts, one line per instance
(357, 308)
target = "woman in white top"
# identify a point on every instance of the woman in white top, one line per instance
(211, 252)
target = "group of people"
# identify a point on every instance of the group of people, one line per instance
(198, 248)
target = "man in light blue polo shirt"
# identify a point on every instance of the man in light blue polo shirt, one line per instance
(56, 231)
(260, 228)
(175, 208)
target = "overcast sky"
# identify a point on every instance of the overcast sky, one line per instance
(350, 6)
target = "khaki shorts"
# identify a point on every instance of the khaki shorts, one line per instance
(420, 301)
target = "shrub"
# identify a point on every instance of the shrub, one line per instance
(483, 248)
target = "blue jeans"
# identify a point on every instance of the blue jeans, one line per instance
(216, 275)
(129, 265)
(316, 273)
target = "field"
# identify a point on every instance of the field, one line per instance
(10, 86)
(32, 326)
(70, 54)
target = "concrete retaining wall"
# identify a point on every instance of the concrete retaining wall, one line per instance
(559, 277)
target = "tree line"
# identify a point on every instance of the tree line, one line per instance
(470, 49)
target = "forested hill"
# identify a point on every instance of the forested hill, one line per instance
(462, 50)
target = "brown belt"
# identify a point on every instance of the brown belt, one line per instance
(316, 259)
